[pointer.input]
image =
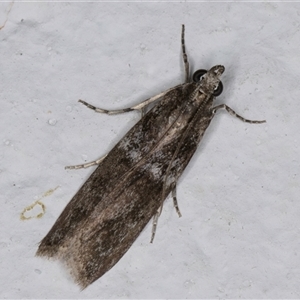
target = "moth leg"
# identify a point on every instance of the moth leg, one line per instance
(184, 56)
(154, 224)
(233, 113)
(175, 201)
(158, 213)
(141, 106)
(89, 164)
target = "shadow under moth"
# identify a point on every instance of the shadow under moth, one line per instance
(133, 180)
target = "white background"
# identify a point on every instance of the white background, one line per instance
(239, 235)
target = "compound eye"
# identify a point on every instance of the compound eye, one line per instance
(197, 77)
(198, 74)
(218, 91)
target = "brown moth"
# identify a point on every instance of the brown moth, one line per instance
(132, 181)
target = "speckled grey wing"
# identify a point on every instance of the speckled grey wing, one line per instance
(92, 245)
(131, 149)
(108, 232)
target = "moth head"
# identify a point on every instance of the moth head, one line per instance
(209, 81)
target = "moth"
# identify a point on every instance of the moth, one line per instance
(133, 180)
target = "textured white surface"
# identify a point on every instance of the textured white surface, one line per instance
(239, 235)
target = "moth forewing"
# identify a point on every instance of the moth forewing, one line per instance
(132, 181)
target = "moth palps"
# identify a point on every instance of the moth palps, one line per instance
(132, 181)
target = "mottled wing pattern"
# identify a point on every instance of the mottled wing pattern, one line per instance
(131, 149)
(93, 233)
